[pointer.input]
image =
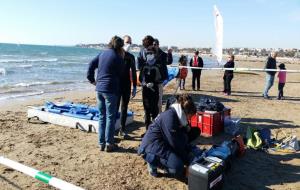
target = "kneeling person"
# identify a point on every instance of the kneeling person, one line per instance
(166, 142)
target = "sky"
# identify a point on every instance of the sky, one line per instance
(183, 23)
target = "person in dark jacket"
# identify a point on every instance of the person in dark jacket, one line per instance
(110, 65)
(164, 72)
(196, 61)
(169, 57)
(151, 62)
(270, 75)
(228, 75)
(166, 144)
(124, 98)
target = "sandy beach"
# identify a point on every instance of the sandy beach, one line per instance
(74, 156)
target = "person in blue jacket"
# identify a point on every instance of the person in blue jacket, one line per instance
(166, 142)
(110, 65)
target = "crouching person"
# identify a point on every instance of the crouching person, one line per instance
(166, 142)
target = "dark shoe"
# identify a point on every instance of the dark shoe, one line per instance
(102, 147)
(198, 89)
(193, 89)
(266, 97)
(111, 147)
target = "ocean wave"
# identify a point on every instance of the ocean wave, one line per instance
(25, 66)
(21, 95)
(28, 60)
(22, 84)
(2, 71)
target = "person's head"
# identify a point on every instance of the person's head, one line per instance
(231, 57)
(281, 66)
(274, 54)
(127, 42)
(156, 42)
(196, 53)
(187, 104)
(116, 43)
(148, 41)
(183, 60)
(170, 50)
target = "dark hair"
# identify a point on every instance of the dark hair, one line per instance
(187, 103)
(281, 66)
(156, 41)
(116, 43)
(148, 41)
(182, 59)
(197, 52)
(231, 56)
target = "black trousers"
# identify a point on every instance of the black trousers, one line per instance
(150, 103)
(280, 90)
(196, 77)
(124, 100)
(227, 83)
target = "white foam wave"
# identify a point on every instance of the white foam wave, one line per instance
(21, 95)
(2, 71)
(25, 66)
(27, 60)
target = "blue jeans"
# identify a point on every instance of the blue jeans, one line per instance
(269, 83)
(107, 105)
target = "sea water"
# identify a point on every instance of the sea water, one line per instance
(31, 70)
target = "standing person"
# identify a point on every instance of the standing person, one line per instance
(110, 65)
(271, 64)
(166, 144)
(183, 72)
(196, 61)
(162, 56)
(282, 79)
(228, 75)
(169, 56)
(150, 63)
(125, 86)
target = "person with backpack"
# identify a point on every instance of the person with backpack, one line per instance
(152, 73)
(196, 61)
(183, 72)
(110, 65)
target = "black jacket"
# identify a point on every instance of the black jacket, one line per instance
(129, 61)
(200, 64)
(169, 58)
(271, 64)
(229, 64)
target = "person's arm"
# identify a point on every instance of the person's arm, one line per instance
(169, 59)
(133, 71)
(200, 63)
(93, 65)
(175, 137)
(141, 60)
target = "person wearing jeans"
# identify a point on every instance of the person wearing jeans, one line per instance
(110, 65)
(107, 104)
(271, 64)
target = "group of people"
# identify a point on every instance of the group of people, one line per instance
(270, 76)
(167, 141)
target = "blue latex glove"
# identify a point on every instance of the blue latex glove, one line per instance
(133, 93)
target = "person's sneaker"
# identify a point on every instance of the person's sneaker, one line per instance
(102, 147)
(111, 147)
(266, 97)
(152, 171)
(123, 135)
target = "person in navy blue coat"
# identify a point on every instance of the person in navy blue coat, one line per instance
(166, 143)
(110, 65)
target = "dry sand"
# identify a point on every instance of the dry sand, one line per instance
(73, 155)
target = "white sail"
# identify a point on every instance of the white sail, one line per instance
(218, 49)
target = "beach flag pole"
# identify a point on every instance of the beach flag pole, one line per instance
(41, 176)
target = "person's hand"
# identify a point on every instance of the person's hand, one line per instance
(133, 93)
(149, 85)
